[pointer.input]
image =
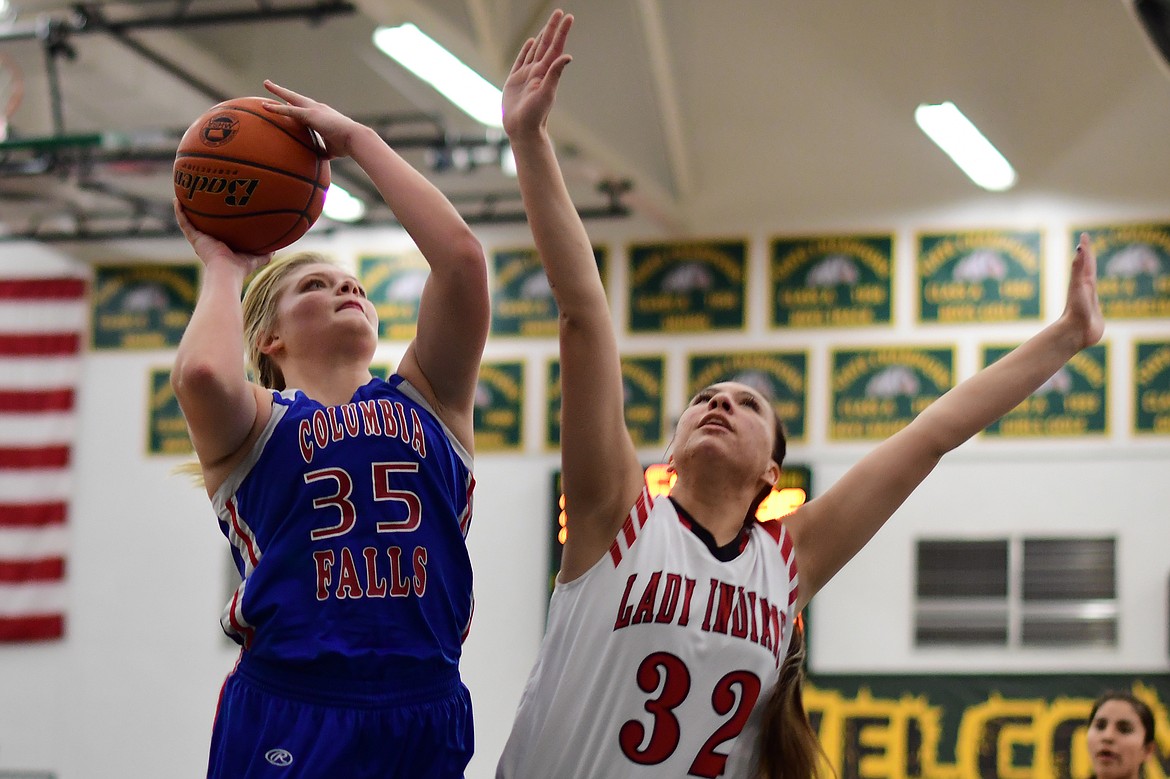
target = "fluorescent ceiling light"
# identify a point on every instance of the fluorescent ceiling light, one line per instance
(414, 50)
(961, 140)
(341, 206)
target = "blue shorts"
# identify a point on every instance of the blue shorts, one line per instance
(272, 726)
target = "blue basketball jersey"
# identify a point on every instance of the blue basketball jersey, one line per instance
(348, 524)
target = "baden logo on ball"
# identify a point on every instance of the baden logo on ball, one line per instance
(251, 178)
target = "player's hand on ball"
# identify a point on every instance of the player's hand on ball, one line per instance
(335, 128)
(210, 249)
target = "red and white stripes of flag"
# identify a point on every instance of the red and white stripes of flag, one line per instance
(42, 321)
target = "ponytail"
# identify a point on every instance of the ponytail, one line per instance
(789, 748)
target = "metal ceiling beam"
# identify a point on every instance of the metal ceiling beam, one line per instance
(77, 22)
(666, 90)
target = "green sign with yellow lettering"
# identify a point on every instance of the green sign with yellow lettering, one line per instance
(979, 276)
(642, 384)
(876, 392)
(687, 287)
(1073, 402)
(958, 726)
(1133, 270)
(166, 427)
(831, 281)
(499, 407)
(522, 301)
(1151, 387)
(142, 306)
(394, 284)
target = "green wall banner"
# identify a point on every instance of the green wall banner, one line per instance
(142, 306)
(394, 284)
(1151, 402)
(875, 392)
(1133, 269)
(499, 407)
(1073, 402)
(687, 287)
(642, 384)
(979, 276)
(522, 301)
(952, 726)
(831, 281)
(166, 427)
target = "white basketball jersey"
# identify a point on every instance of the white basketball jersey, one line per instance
(654, 659)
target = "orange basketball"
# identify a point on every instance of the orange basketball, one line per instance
(253, 179)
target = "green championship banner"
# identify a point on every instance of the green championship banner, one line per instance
(687, 287)
(642, 382)
(166, 427)
(552, 393)
(499, 407)
(781, 377)
(1133, 270)
(876, 392)
(394, 284)
(522, 301)
(979, 276)
(831, 281)
(972, 727)
(1151, 387)
(142, 306)
(1073, 402)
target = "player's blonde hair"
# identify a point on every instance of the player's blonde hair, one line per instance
(260, 313)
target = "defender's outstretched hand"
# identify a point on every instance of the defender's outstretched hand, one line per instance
(1082, 307)
(335, 128)
(532, 85)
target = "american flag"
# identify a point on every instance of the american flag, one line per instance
(41, 325)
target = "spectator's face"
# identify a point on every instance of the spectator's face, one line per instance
(1117, 741)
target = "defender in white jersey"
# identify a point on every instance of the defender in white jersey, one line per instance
(667, 646)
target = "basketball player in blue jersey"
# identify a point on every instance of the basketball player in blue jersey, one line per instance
(669, 645)
(345, 498)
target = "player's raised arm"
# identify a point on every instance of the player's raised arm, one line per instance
(601, 473)
(831, 529)
(454, 312)
(218, 402)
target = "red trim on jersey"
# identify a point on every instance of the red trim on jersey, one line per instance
(634, 521)
(465, 517)
(246, 631)
(248, 545)
(31, 514)
(35, 401)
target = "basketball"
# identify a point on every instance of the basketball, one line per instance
(251, 178)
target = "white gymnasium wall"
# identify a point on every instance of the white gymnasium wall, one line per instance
(131, 690)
